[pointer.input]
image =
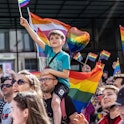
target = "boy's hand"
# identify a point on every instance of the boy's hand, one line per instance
(23, 22)
(45, 72)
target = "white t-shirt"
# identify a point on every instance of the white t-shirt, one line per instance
(5, 118)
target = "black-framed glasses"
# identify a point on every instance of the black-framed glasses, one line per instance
(6, 86)
(46, 79)
(19, 82)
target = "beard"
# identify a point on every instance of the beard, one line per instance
(47, 90)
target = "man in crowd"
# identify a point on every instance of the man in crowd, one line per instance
(7, 90)
(120, 103)
(118, 80)
(48, 83)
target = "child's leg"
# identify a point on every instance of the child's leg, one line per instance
(57, 114)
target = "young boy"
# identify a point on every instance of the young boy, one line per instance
(58, 64)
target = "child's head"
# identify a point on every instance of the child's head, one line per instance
(57, 32)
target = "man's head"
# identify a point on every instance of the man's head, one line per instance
(109, 96)
(48, 83)
(120, 101)
(6, 86)
(118, 80)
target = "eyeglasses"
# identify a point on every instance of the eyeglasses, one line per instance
(6, 85)
(46, 79)
(19, 82)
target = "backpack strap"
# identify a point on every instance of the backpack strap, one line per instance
(53, 58)
(62, 104)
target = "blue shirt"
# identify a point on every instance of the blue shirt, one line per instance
(60, 62)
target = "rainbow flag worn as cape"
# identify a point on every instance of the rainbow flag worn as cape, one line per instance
(83, 85)
(122, 37)
(92, 56)
(117, 68)
(23, 3)
(104, 55)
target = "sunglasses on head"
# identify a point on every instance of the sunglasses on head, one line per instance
(6, 85)
(19, 82)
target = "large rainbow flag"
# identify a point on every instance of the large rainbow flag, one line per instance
(76, 39)
(83, 86)
(122, 37)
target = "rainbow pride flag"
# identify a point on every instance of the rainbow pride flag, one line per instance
(122, 37)
(83, 86)
(36, 73)
(117, 68)
(48, 24)
(92, 56)
(77, 39)
(23, 3)
(77, 56)
(104, 55)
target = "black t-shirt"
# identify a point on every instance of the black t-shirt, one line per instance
(69, 107)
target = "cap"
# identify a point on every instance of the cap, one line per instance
(120, 97)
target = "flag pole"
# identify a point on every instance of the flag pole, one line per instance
(86, 59)
(30, 22)
(19, 9)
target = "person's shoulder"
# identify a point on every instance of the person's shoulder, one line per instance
(64, 53)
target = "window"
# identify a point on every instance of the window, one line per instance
(27, 42)
(31, 64)
(4, 40)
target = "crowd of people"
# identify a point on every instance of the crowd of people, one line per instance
(26, 99)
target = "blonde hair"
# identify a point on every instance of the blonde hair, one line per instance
(33, 80)
(112, 87)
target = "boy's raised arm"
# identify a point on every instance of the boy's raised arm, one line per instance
(33, 34)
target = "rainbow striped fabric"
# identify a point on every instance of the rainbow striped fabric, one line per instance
(43, 26)
(122, 37)
(76, 39)
(92, 56)
(77, 56)
(47, 24)
(104, 55)
(117, 68)
(23, 3)
(84, 85)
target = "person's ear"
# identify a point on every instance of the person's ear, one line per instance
(26, 112)
(55, 82)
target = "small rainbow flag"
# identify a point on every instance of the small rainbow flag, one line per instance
(23, 3)
(92, 56)
(104, 55)
(83, 86)
(122, 37)
(117, 67)
(77, 56)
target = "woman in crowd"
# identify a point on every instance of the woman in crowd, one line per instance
(27, 109)
(25, 81)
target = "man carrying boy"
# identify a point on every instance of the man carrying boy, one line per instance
(58, 64)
